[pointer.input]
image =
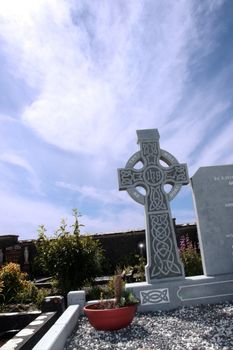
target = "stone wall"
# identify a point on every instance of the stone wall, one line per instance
(119, 248)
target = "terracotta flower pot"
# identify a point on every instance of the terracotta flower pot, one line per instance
(110, 319)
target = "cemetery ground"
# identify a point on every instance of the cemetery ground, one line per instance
(203, 327)
(198, 328)
(176, 311)
(19, 294)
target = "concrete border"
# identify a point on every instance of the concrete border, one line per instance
(57, 335)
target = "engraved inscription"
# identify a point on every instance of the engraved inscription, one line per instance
(223, 178)
(153, 175)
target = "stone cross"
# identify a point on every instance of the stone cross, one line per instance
(162, 254)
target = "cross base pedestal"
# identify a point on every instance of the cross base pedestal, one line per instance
(168, 295)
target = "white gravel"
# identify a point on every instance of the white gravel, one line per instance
(201, 327)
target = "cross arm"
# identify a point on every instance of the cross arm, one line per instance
(177, 174)
(129, 178)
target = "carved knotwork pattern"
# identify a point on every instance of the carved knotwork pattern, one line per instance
(177, 174)
(163, 248)
(156, 296)
(150, 152)
(128, 177)
(156, 200)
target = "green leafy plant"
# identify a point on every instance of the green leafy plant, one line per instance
(136, 272)
(128, 298)
(190, 256)
(71, 259)
(1, 286)
(12, 280)
(119, 296)
(15, 288)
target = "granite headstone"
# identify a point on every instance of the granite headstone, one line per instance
(213, 198)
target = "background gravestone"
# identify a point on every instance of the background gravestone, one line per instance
(213, 198)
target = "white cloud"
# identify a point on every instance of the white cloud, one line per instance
(110, 221)
(15, 159)
(104, 71)
(185, 135)
(6, 118)
(128, 219)
(23, 216)
(10, 157)
(101, 195)
(218, 151)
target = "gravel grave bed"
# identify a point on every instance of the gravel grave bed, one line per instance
(201, 327)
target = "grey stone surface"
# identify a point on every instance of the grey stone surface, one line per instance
(167, 294)
(163, 260)
(213, 198)
(77, 297)
(165, 287)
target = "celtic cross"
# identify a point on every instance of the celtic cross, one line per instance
(162, 254)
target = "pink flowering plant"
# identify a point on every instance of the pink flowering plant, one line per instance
(190, 256)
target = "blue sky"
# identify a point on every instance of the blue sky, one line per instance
(78, 78)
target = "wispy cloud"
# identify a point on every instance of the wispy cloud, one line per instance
(121, 67)
(90, 74)
(14, 159)
(104, 196)
(115, 221)
(23, 216)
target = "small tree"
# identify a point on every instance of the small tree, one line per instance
(71, 259)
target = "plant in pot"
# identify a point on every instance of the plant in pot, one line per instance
(113, 314)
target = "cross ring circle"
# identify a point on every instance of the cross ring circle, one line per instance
(168, 159)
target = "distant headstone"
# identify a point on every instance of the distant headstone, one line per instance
(213, 197)
(163, 260)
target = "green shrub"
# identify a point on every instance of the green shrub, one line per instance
(12, 280)
(71, 259)
(191, 257)
(15, 288)
(137, 270)
(94, 292)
